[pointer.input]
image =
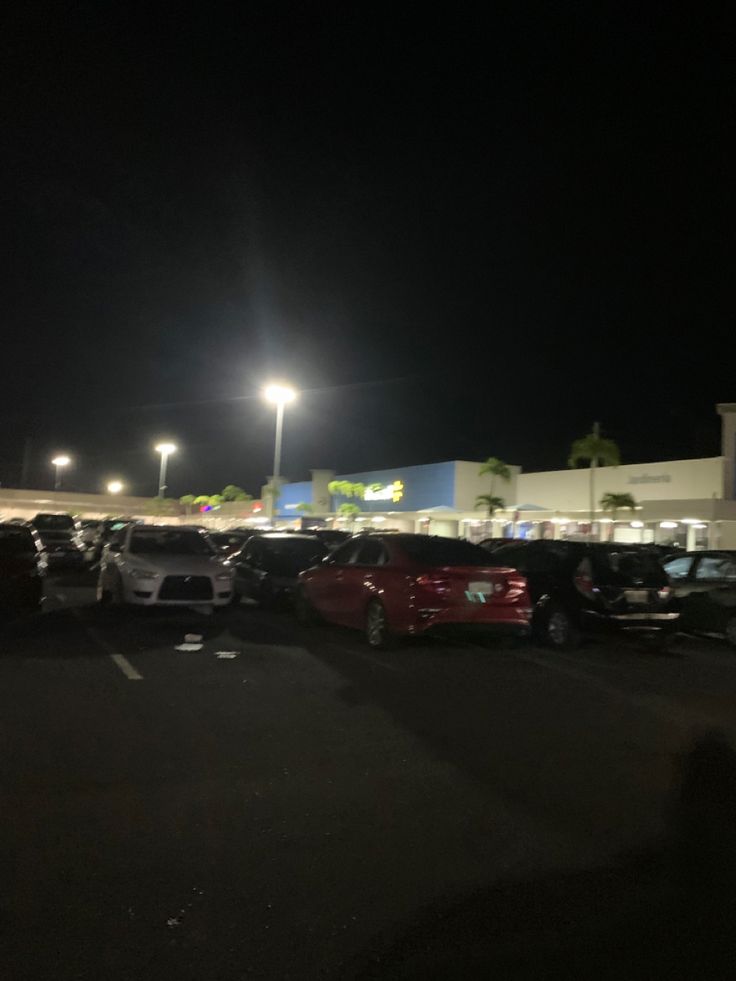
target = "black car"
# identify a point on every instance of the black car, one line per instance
(704, 584)
(581, 587)
(491, 544)
(228, 542)
(108, 529)
(331, 537)
(21, 585)
(58, 534)
(267, 567)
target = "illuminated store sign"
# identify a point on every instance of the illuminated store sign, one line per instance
(385, 492)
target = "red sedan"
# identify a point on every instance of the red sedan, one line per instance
(396, 585)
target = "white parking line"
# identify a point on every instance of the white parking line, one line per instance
(126, 667)
(119, 659)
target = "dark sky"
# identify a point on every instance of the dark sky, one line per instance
(459, 236)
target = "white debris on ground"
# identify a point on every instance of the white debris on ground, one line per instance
(188, 647)
(226, 655)
(193, 638)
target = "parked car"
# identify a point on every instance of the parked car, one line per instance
(163, 565)
(704, 585)
(21, 567)
(228, 543)
(109, 529)
(581, 587)
(491, 544)
(331, 537)
(87, 533)
(58, 536)
(400, 584)
(268, 566)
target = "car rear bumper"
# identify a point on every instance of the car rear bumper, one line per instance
(503, 619)
(630, 621)
(58, 560)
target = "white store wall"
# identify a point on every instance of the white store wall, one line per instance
(561, 490)
(468, 485)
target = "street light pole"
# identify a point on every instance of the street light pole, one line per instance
(59, 462)
(165, 449)
(277, 443)
(280, 396)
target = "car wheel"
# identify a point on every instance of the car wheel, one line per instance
(558, 629)
(304, 610)
(731, 631)
(377, 632)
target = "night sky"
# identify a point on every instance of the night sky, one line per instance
(460, 237)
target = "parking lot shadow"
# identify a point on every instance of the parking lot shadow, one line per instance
(666, 912)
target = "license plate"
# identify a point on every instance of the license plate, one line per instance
(637, 595)
(478, 592)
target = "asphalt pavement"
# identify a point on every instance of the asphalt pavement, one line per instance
(284, 802)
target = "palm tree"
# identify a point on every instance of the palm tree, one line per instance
(615, 503)
(597, 451)
(490, 503)
(187, 500)
(496, 468)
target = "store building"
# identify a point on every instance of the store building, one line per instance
(685, 502)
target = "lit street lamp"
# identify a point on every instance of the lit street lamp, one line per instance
(59, 462)
(114, 487)
(165, 449)
(280, 396)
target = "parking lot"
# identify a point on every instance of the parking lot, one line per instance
(279, 801)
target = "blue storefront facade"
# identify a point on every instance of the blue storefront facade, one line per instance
(407, 498)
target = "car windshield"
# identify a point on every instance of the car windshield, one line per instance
(169, 542)
(442, 551)
(15, 541)
(54, 522)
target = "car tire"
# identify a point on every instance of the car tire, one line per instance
(558, 630)
(731, 631)
(377, 631)
(304, 610)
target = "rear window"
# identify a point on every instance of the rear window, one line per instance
(16, 541)
(442, 551)
(54, 522)
(628, 567)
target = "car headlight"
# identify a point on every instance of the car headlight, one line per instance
(222, 576)
(141, 574)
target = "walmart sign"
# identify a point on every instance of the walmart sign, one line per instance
(385, 492)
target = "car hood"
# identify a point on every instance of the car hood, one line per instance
(176, 565)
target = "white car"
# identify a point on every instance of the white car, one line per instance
(163, 565)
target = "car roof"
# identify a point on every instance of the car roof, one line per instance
(288, 536)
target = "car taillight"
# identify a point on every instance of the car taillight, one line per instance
(432, 582)
(664, 593)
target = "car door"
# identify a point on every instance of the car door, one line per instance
(331, 582)
(248, 565)
(359, 579)
(712, 601)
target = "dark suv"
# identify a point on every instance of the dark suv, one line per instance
(21, 565)
(581, 587)
(704, 585)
